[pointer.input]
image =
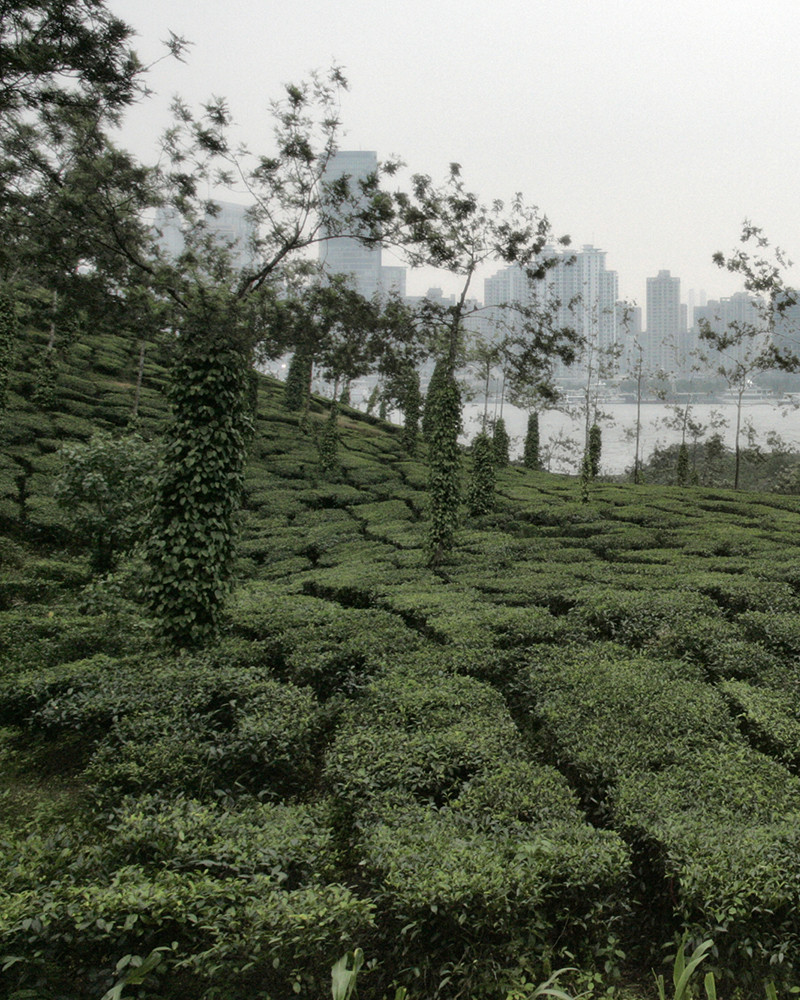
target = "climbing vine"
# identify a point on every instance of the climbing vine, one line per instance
(501, 442)
(328, 444)
(444, 413)
(530, 455)
(412, 407)
(191, 546)
(480, 493)
(298, 380)
(595, 449)
(8, 330)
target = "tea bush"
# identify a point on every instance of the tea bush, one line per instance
(266, 743)
(728, 828)
(769, 718)
(603, 716)
(239, 934)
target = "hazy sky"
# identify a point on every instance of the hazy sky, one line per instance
(651, 130)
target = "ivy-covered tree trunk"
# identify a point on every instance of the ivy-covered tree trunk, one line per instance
(480, 496)
(411, 407)
(191, 547)
(586, 476)
(530, 455)
(595, 449)
(683, 465)
(501, 442)
(46, 380)
(438, 378)
(444, 414)
(328, 444)
(298, 380)
(8, 330)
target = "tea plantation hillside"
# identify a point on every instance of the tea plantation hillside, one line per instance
(576, 740)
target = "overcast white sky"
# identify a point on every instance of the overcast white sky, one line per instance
(651, 130)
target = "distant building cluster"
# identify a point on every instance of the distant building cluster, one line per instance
(577, 291)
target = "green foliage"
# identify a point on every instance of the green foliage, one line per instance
(46, 379)
(437, 380)
(682, 972)
(480, 492)
(474, 846)
(530, 454)
(190, 550)
(411, 406)
(501, 443)
(682, 473)
(344, 974)
(444, 460)
(586, 476)
(265, 740)
(291, 844)
(105, 487)
(433, 741)
(253, 933)
(595, 449)
(298, 382)
(8, 333)
(328, 444)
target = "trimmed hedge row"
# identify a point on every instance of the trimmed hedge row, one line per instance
(658, 754)
(478, 854)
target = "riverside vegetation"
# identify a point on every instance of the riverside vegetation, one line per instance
(572, 742)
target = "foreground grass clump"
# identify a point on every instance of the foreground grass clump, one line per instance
(572, 741)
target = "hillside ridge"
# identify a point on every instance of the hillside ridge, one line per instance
(572, 742)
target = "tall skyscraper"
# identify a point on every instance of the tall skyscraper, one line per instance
(345, 255)
(738, 313)
(581, 292)
(664, 336)
(231, 226)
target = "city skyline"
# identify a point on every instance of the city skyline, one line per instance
(652, 131)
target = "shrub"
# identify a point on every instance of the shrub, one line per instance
(640, 617)
(418, 736)
(768, 718)
(105, 486)
(292, 844)
(252, 931)
(606, 715)
(727, 827)
(211, 740)
(778, 631)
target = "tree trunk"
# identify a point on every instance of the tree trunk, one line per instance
(736, 443)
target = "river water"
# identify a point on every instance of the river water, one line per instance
(561, 434)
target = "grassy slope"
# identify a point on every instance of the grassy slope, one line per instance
(582, 729)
